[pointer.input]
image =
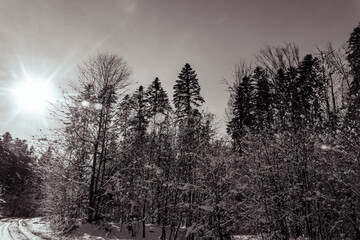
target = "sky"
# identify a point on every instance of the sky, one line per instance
(48, 39)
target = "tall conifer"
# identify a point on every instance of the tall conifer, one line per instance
(187, 92)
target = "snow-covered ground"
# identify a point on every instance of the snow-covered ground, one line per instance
(39, 229)
(247, 237)
(25, 229)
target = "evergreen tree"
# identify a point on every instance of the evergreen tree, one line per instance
(309, 93)
(19, 183)
(263, 100)
(159, 154)
(157, 99)
(352, 122)
(353, 56)
(135, 157)
(243, 111)
(187, 99)
(139, 121)
(6, 140)
(284, 90)
(351, 132)
(299, 95)
(187, 92)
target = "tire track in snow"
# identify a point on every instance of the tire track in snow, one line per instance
(26, 231)
(42, 235)
(4, 231)
(15, 232)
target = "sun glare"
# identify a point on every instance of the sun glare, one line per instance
(33, 95)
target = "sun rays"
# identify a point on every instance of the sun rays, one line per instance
(29, 95)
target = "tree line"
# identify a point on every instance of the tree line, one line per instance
(289, 168)
(20, 185)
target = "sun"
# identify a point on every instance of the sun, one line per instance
(33, 95)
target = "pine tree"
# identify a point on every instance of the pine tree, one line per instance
(137, 157)
(309, 92)
(283, 84)
(6, 140)
(263, 100)
(351, 129)
(353, 56)
(19, 184)
(159, 154)
(353, 114)
(139, 121)
(187, 92)
(243, 111)
(187, 99)
(157, 99)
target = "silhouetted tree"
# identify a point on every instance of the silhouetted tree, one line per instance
(353, 114)
(263, 100)
(187, 91)
(157, 99)
(242, 110)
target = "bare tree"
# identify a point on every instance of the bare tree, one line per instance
(91, 112)
(281, 57)
(336, 69)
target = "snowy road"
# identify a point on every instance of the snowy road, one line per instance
(16, 229)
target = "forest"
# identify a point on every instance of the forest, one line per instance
(288, 166)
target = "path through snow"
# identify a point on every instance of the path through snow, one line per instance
(17, 229)
(39, 229)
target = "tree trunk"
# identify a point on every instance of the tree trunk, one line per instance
(93, 173)
(143, 216)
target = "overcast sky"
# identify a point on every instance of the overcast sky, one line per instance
(156, 37)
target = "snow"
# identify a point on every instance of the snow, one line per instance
(115, 232)
(13, 229)
(23, 227)
(246, 237)
(39, 229)
(4, 231)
